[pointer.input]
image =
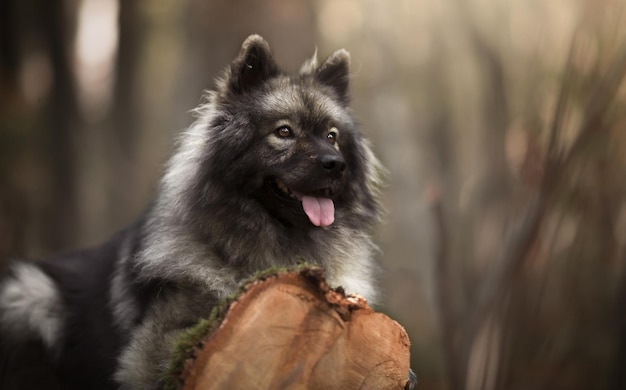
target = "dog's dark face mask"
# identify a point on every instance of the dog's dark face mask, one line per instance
(308, 175)
(295, 133)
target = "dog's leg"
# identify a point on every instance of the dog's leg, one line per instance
(145, 359)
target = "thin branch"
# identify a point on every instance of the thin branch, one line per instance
(559, 113)
(444, 289)
(597, 106)
(509, 259)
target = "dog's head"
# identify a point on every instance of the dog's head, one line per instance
(289, 141)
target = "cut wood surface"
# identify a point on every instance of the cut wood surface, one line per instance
(292, 331)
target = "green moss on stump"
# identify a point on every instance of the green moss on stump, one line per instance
(192, 339)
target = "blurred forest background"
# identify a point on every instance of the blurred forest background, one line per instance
(502, 124)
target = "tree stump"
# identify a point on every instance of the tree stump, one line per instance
(290, 330)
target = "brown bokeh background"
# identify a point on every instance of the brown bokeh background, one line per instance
(502, 125)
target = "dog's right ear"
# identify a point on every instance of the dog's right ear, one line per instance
(253, 65)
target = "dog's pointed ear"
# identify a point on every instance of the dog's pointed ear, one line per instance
(335, 72)
(253, 65)
(310, 66)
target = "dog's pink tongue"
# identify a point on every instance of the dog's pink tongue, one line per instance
(321, 211)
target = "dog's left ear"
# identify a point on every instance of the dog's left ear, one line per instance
(253, 65)
(335, 72)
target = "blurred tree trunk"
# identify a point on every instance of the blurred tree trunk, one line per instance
(28, 27)
(126, 119)
(618, 380)
(131, 30)
(9, 62)
(60, 126)
(11, 203)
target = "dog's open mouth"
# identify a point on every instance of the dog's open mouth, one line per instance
(319, 208)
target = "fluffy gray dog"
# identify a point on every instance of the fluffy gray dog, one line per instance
(273, 172)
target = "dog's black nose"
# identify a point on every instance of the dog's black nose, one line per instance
(333, 163)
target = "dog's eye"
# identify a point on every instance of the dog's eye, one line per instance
(331, 136)
(283, 132)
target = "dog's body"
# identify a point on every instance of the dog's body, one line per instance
(273, 172)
